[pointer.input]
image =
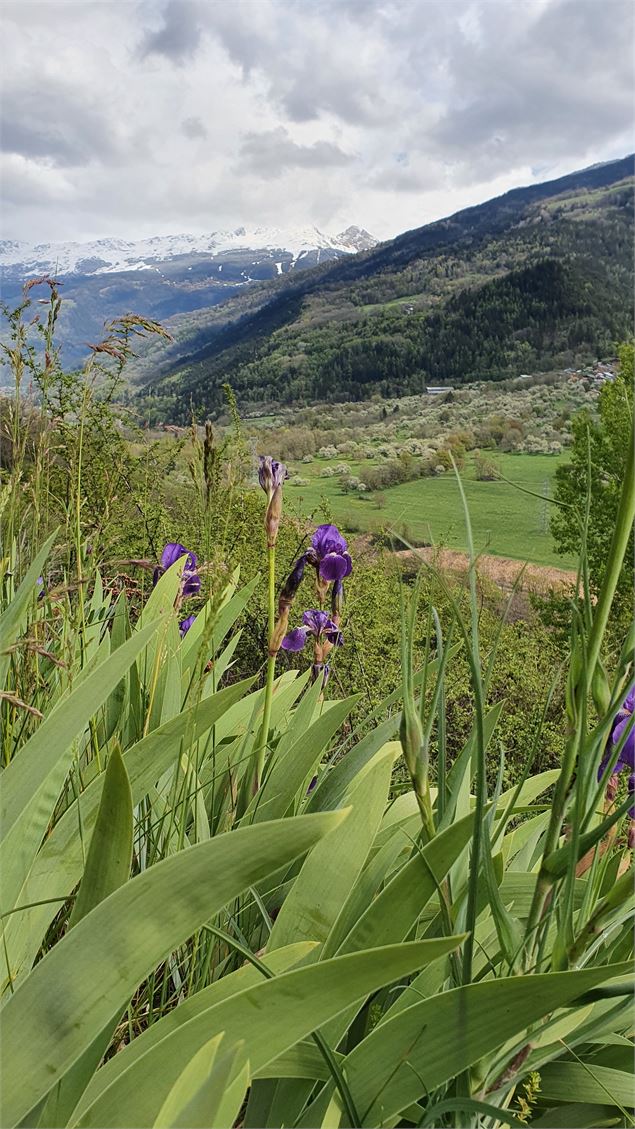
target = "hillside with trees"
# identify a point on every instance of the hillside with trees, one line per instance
(539, 278)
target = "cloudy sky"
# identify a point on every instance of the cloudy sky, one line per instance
(141, 117)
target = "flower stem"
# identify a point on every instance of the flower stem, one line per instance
(271, 668)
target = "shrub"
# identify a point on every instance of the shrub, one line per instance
(415, 447)
(486, 469)
(350, 482)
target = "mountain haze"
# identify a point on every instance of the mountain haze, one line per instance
(539, 277)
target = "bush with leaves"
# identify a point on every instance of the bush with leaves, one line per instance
(588, 486)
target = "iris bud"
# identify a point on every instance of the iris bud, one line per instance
(271, 475)
(294, 579)
(411, 737)
(600, 690)
(272, 517)
(337, 600)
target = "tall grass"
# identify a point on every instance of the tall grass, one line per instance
(215, 912)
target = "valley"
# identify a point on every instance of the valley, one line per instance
(330, 344)
(385, 468)
(538, 279)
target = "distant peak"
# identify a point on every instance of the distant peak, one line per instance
(356, 237)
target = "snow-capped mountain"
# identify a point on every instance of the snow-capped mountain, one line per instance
(163, 276)
(117, 256)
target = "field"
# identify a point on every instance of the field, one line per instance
(506, 521)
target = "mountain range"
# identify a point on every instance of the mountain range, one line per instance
(164, 275)
(539, 278)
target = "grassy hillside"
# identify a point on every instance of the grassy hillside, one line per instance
(537, 278)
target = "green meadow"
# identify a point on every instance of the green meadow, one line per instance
(507, 520)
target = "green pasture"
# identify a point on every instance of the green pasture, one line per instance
(506, 521)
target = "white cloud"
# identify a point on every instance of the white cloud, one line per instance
(139, 117)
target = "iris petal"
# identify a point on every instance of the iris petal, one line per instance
(173, 552)
(335, 637)
(627, 754)
(335, 566)
(191, 584)
(328, 539)
(316, 621)
(295, 640)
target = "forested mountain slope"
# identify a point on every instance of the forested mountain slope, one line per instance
(539, 277)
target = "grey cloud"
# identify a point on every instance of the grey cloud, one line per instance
(400, 178)
(247, 44)
(180, 35)
(47, 121)
(311, 57)
(193, 128)
(417, 109)
(523, 93)
(308, 97)
(274, 152)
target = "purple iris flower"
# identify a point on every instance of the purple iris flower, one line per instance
(626, 757)
(173, 552)
(185, 624)
(271, 473)
(316, 623)
(328, 553)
